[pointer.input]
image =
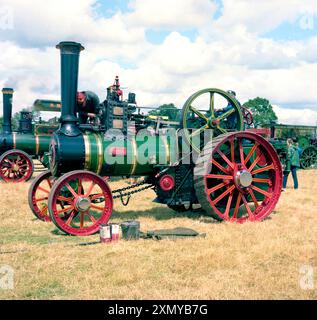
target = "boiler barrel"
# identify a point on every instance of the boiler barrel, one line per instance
(126, 157)
(29, 143)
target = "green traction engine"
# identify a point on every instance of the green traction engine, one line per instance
(306, 138)
(19, 149)
(205, 161)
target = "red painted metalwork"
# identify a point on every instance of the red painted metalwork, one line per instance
(15, 166)
(239, 175)
(118, 151)
(167, 182)
(247, 116)
(264, 132)
(75, 203)
(38, 195)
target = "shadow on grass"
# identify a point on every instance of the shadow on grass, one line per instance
(162, 214)
(157, 214)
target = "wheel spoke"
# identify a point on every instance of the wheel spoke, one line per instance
(199, 114)
(236, 209)
(219, 176)
(72, 191)
(223, 195)
(90, 189)
(250, 213)
(79, 187)
(44, 190)
(270, 167)
(96, 207)
(96, 196)
(65, 210)
(251, 152)
(226, 213)
(212, 105)
(49, 182)
(267, 194)
(232, 150)
(224, 157)
(198, 131)
(222, 129)
(241, 152)
(70, 218)
(93, 220)
(8, 161)
(41, 199)
(260, 180)
(218, 186)
(82, 216)
(44, 209)
(253, 198)
(225, 115)
(217, 164)
(61, 198)
(254, 163)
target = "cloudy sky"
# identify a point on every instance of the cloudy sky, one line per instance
(165, 50)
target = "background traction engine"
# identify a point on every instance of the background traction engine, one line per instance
(236, 177)
(18, 149)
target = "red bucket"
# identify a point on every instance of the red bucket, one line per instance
(115, 229)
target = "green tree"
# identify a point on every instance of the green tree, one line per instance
(1, 122)
(168, 110)
(262, 110)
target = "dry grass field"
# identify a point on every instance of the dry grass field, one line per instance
(250, 261)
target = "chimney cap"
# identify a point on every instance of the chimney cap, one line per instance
(64, 44)
(7, 90)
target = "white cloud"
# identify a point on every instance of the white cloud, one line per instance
(38, 23)
(296, 117)
(259, 16)
(176, 14)
(228, 53)
(308, 51)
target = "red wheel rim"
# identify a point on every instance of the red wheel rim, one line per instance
(87, 203)
(15, 166)
(245, 169)
(38, 196)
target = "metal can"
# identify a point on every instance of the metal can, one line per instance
(115, 232)
(105, 233)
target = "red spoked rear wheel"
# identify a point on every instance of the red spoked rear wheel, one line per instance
(16, 166)
(38, 195)
(238, 178)
(79, 202)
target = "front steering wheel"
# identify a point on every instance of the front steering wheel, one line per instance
(210, 109)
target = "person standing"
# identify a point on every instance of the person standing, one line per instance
(293, 157)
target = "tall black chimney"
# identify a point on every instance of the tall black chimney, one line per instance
(69, 80)
(7, 109)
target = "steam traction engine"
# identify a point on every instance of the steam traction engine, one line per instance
(236, 177)
(307, 141)
(18, 149)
